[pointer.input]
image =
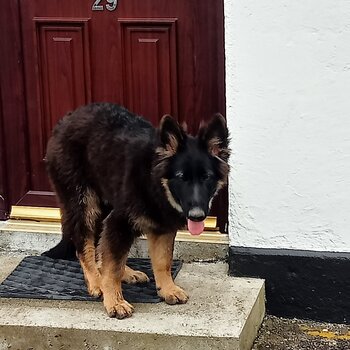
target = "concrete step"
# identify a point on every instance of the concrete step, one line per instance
(223, 313)
(32, 237)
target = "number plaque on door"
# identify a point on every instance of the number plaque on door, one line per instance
(110, 6)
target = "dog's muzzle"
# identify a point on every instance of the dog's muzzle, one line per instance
(195, 221)
(196, 214)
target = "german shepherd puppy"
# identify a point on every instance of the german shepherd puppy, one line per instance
(117, 177)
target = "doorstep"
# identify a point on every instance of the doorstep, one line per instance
(222, 313)
(32, 237)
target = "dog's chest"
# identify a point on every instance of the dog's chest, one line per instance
(144, 225)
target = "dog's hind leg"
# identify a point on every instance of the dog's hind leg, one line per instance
(81, 208)
(87, 255)
(80, 216)
(113, 248)
(161, 251)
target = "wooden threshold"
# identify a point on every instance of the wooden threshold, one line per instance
(53, 215)
(35, 213)
(48, 220)
(52, 227)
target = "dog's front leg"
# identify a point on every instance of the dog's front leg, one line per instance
(161, 251)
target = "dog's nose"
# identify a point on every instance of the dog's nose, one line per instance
(196, 214)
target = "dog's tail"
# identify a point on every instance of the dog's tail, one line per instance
(65, 249)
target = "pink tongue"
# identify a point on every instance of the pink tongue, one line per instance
(195, 228)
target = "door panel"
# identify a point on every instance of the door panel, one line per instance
(154, 57)
(64, 67)
(151, 92)
(63, 83)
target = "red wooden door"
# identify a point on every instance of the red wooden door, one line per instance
(153, 56)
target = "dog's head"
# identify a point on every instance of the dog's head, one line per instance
(194, 168)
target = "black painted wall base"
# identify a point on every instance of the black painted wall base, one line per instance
(302, 284)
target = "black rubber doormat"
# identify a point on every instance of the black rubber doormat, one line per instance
(40, 277)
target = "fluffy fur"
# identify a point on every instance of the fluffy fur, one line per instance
(117, 177)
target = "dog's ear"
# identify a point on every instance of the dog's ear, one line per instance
(171, 134)
(215, 137)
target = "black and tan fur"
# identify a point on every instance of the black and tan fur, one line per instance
(117, 177)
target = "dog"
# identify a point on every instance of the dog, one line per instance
(117, 177)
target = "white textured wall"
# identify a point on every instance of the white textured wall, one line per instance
(288, 109)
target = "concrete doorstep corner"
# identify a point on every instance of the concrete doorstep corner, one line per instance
(223, 313)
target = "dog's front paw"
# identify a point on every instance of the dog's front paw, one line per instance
(120, 309)
(132, 277)
(173, 295)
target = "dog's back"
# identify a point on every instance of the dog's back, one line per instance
(103, 147)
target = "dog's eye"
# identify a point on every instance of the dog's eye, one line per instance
(207, 176)
(179, 174)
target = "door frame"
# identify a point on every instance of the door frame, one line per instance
(13, 124)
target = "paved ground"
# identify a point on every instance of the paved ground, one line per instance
(282, 334)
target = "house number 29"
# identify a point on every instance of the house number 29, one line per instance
(110, 6)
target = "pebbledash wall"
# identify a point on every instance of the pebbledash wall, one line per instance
(288, 111)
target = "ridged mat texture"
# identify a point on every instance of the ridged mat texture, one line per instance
(40, 277)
